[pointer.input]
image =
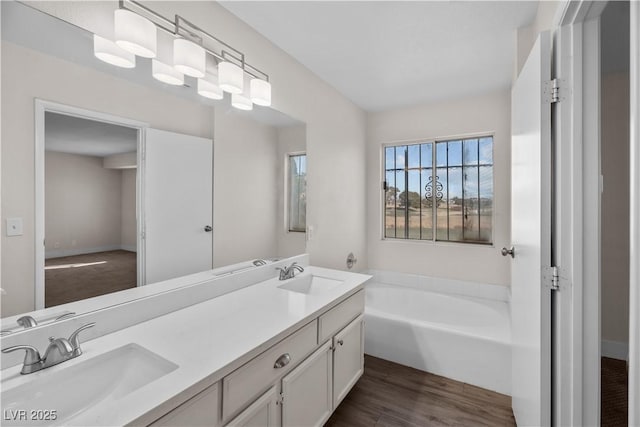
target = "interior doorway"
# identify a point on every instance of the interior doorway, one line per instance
(88, 210)
(615, 213)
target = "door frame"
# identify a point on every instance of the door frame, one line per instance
(634, 244)
(578, 125)
(42, 107)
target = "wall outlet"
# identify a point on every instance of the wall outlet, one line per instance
(14, 227)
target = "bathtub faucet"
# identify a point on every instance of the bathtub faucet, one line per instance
(289, 272)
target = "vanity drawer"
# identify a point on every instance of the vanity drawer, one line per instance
(245, 383)
(340, 315)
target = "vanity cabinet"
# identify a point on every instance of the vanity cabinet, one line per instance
(348, 358)
(307, 390)
(261, 413)
(297, 382)
(202, 410)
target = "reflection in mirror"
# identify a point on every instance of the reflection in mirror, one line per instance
(91, 208)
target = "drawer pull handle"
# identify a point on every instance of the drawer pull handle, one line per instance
(340, 342)
(282, 361)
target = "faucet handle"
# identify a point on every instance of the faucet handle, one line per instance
(27, 322)
(75, 342)
(31, 357)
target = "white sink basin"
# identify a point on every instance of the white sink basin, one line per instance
(310, 284)
(71, 391)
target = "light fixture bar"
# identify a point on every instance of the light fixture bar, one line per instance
(184, 28)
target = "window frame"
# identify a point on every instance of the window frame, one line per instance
(434, 141)
(287, 201)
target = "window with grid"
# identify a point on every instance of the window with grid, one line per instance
(297, 200)
(440, 191)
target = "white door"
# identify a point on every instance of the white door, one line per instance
(178, 204)
(348, 359)
(306, 391)
(531, 238)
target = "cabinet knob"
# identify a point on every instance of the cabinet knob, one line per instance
(340, 342)
(282, 361)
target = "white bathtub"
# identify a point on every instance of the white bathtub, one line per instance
(464, 338)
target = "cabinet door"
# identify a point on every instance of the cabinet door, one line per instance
(348, 359)
(261, 413)
(307, 391)
(199, 411)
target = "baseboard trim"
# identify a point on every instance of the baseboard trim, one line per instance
(614, 349)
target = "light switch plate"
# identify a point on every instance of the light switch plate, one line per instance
(14, 226)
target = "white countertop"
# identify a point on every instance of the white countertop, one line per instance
(207, 341)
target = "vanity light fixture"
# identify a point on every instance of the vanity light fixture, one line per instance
(109, 52)
(189, 58)
(166, 73)
(230, 77)
(136, 27)
(260, 91)
(208, 87)
(135, 33)
(241, 101)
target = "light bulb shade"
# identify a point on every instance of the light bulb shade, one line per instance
(109, 52)
(241, 101)
(260, 92)
(189, 58)
(230, 77)
(135, 34)
(166, 73)
(209, 89)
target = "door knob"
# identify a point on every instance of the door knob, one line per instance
(208, 228)
(511, 251)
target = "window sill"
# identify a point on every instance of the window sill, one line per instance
(391, 240)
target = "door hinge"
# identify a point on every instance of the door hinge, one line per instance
(553, 91)
(280, 399)
(385, 187)
(552, 278)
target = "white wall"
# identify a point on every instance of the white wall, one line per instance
(26, 75)
(129, 226)
(547, 18)
(476, 116)
(82, 205)
(291, 139)
(334, 124)
(244, 189)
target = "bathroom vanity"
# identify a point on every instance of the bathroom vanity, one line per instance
(298, 381)
(276, 352)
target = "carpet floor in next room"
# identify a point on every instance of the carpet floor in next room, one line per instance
(77, 277)
(392, 395)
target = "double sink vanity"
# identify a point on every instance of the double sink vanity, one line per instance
(277, 352)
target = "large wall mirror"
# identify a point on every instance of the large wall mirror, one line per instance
(119, 181)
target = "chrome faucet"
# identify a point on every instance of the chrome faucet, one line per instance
(59, 350)
(289, 272)
(27, 322)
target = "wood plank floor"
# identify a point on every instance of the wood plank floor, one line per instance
(392, 395)
(614, 400)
